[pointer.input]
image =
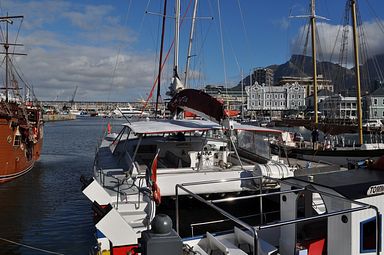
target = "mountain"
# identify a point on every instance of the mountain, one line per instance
(342, 78)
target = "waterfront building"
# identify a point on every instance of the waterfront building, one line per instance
(275, 98)
(321, 96)
(307, 82)
(339, 107)
(374, 104)
(232, 98)
(262, 76)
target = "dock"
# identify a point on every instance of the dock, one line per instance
(58, 117)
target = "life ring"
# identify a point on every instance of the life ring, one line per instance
(9, 139)
(156, 193)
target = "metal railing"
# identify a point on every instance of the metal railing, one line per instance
(254, 229)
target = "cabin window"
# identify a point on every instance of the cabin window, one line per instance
(368, 235)
(16, 141)
(375, 101)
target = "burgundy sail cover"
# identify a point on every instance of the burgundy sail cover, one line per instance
(198, 102)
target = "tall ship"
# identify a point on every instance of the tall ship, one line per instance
(21, 124)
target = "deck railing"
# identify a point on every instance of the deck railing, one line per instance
(254, 229)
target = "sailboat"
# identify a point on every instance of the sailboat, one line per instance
(339, 155)
(21, 124)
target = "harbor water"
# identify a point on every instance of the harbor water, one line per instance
(45, 209)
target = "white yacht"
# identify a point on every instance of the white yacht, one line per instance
(129, 112)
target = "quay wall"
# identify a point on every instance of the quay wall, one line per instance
(58, 117)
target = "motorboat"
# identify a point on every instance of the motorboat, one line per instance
(129, 112)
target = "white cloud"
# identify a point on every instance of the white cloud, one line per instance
(90, 68)
(330, 38)
(72, 45)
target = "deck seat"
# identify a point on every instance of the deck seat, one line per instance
(243, 237)
(316, 247)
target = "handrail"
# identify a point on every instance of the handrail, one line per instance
(254, 196)
(224, 213)
(299, 187)
(225, 220)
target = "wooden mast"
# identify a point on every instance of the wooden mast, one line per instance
(357, 70)
(314, 61)
(6, 46)
(8, 20)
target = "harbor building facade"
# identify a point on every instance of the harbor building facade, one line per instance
(262, 76)
(233, 99)
(321, 96)
(339, 107)
(374, 105)
(307, 83)
(275, 98)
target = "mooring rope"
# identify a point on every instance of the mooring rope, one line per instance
(30, 247)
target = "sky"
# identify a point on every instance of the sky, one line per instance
(109, 49)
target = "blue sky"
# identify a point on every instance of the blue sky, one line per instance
(109, 49)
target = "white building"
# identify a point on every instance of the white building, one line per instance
(339, 107)
(374, 105)
(275, 98)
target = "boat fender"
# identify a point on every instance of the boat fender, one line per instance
(109, 128)
(156, 193)
(35, 132)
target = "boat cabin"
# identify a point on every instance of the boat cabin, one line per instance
(355, 197)
(194, 150)
(335, 213)
(195, 144)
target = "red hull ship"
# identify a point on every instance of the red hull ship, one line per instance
(21, 124)
(21, 139)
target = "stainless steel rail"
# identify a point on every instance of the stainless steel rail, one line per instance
(299, 187)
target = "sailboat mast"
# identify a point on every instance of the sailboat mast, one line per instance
(357, 70)
(190, 43)
(8, 20)
(6, 46)
(177, 27)
(314, 61)
(160, 58)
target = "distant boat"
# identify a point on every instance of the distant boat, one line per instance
(129, 112)
(21, 124)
